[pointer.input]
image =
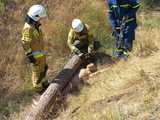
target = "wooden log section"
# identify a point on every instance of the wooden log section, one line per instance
(48, 98)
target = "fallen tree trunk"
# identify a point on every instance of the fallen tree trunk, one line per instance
(48, 99)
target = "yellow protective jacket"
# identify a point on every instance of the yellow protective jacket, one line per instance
(32, 39)
(85, 37)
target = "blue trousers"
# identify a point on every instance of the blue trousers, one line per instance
(129, 37)
(127, 43)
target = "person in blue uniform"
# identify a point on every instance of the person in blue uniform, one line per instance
(122, 16)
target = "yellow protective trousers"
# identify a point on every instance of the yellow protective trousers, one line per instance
(39, 70)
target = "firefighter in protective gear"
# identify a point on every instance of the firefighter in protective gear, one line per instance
(118, 11)
(32, 41)
(80, 39)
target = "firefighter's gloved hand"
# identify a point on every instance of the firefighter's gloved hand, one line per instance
(81, 55)
(76, 50)
(31, 57)
(90, 50)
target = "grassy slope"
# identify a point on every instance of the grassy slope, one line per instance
(127, 90)
(15, 87)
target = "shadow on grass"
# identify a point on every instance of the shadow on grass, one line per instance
(104, 59)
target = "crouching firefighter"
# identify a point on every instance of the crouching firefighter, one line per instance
(32, 41)
(81, 40)
(122, 16)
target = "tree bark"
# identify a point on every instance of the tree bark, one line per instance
(49, 97)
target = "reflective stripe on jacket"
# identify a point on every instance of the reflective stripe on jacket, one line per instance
(86, 37)
(32, 39)
(120, 8)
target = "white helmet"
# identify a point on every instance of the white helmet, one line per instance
(36, 12)
(77, 25)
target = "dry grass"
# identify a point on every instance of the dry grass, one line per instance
(124, 91)
(147, 35)
(127, 90)
(15, 88)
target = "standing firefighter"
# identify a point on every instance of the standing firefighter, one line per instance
(122, 16)
(32, 40)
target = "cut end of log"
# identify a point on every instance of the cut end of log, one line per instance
(92, 67)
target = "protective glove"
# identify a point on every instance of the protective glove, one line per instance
(76, 50)
(81, 55)
(31, 57)
(90, 50)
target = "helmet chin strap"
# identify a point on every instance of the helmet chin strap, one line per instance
(84, 30)
(32, 22)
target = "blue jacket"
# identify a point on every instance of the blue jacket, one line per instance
(120, 8)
